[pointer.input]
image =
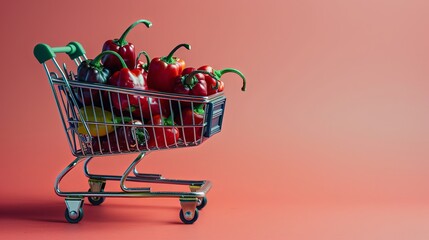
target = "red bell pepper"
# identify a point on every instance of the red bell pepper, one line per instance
(163, 71)
(192, 117)
(121, 101)
(124, 48)
(214, 84)
(192, 82)
(164, 136)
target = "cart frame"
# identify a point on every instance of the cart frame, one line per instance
(64, 84)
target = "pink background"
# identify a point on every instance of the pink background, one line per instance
(329, 142)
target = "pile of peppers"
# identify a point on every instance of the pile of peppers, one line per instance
(119, 65)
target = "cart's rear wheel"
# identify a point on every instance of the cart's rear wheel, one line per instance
(74, 217)
(202, 202)
(185, 219)
(96, 200)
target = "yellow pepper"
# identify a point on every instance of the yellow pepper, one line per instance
(104, 120)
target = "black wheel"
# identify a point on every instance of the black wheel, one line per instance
(186, 221)
(74, 217)
(96, 200)
(202, 202)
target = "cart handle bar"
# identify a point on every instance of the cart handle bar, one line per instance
(43, 52)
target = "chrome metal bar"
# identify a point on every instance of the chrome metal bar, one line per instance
(181, 123)
(69, 89)
(54, 92)
(169, 181)
(139, 177)
(148, 194)
(138, 92)
(148, 175)
(76, 61)
(204, 122)
(127, 172)
(61, 176)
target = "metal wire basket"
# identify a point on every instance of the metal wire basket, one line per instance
(95, 126)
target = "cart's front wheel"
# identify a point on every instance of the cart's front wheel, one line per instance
(96, 200)
(186, 216)
(202, 202)
(73, 216)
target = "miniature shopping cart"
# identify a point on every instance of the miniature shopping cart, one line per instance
(77, 101)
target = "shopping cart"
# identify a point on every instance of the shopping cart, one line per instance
(86, 112)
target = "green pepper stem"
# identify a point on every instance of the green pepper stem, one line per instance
(169, 59)
(121, 41)
(97, 63)
(168, 121)
(120, 120)
(190, 80)
(141, 136)
(219, 74)
(199, 109)
(146, 66)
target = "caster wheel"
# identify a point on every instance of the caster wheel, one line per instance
(74, 217)
(96, 200)
(202, 202)
(188, 221)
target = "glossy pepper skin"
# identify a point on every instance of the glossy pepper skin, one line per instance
(123, 48)
(156, 134)
(92, 71)
(214, 84)
(144, 68)
(100, 116)
(192, 82)
(163, 71)
(125, 138)
(128, 102)
(193, 117)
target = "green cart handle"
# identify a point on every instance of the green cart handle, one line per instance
(43, 52)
